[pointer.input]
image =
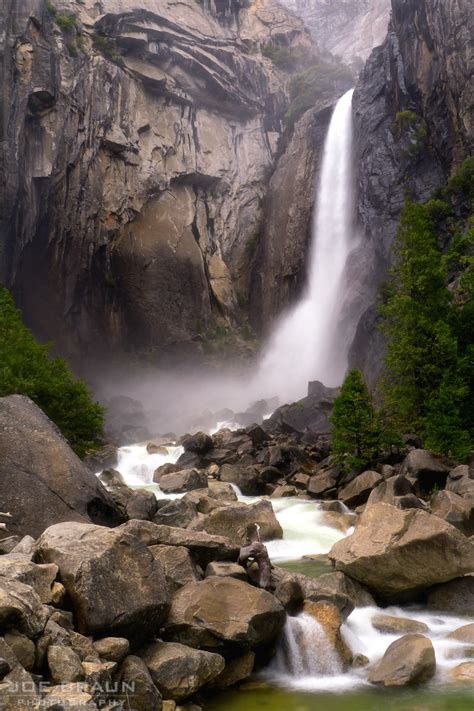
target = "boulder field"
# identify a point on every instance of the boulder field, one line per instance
(107, 593)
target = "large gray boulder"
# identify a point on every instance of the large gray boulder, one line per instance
(204, 547)
(358, 490)
(42, 481)
(398, 553)
(138, 690)
(424, 470)
(456, 596)
(238, 522)
(456, 510)
(184, 480)
(224, 615)
(179, 671)
(409, 660)
(115, 584)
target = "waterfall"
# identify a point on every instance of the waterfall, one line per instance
(304, 650)
(307, 344)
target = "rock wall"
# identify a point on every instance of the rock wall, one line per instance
(137, 142)
(414, 120)
(347, 28)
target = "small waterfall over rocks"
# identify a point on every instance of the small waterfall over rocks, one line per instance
(304, 650)
(306, 344)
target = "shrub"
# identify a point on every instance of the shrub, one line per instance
(318, 82)
(357, 432)
(67, 23)
(26, 368)
(105, 46)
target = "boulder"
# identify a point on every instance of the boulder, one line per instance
(250, 480)
(237, 521)
(221, 491)
(388, 491)
(141, 504)
(113, 649)
(226, 570)
(425, 471)
(167, 468)
(178, 565)
(203, 546)
(283, 491)
(456, 596)
(454, 509)
(39, 577)
(310, 413)
(257, 434)
(115, 584)
(409, 660)
(328, 616)
(224, 615)
(179, 671)
(23, 648)
(338, 589)
(42, 481)
(461, 481)
(396, 554)
(136, 687)
(287, 589)
(69, 697)
(389, 624)
(323, 484)
(199, 443)
(235, 670)
(358, 490)
(184, 480)
(64, 665)
(177, 512)
(463, 673)
(21, 608)
(463, 634)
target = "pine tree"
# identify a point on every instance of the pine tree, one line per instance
(27, 369)
(356, 432)
(423, 387)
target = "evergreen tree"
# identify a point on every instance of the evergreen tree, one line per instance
(423, 386)
(356, 433)
(27, 369)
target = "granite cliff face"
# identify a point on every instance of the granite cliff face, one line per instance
(138, 138)
(414, 108)
(347, 28)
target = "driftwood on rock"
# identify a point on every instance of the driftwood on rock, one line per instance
(258, 553)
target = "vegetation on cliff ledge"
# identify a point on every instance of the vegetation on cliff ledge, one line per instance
(26, 368)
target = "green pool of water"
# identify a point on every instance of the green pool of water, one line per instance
(311, 568)
(435, 699)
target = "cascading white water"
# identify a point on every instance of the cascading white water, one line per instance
(304, 650)
(305, 345)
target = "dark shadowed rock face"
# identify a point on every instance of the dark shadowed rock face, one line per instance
(42, 481)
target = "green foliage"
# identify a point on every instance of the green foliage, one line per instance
(318, 82)
(72, 48)
(105, 46)
(412, 129)
(404, 120)
(251, 244)
(67, 23)
(26, 368)
(51, 8)
(428, 367)
(285, 58)
(357, 431)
